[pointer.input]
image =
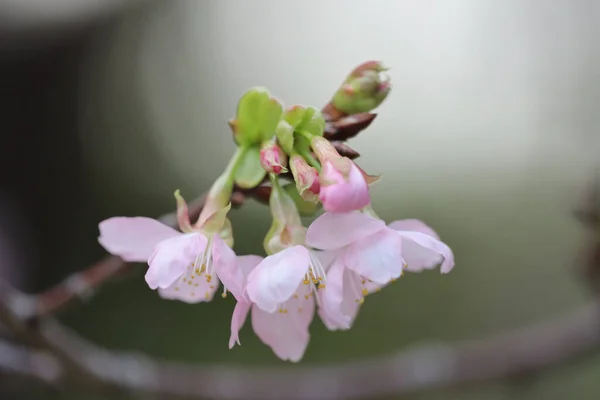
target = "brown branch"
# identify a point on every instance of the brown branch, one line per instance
(81, 283)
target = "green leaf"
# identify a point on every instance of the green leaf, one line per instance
(306, 119)
(285, 136)
(258, 114)
(313, 122)
(249, 173)
(305, 208)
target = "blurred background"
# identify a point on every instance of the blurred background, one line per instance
(489, 136)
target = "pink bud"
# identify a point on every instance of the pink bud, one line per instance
(306, 177)
(343, 186)
(272, 158)
(323, 149)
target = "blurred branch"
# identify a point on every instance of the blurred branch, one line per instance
(529, 350)
(29, 363)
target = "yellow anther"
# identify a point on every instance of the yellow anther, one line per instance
(207, 295)
(177, 288)
(192, 276)
(196, 285)
(306, 297)
(378, 289)
(363, 281)
(405, 265)
(223, 295)
(189, 283)
(321, 286)
(285, 310)
(361, 300)
(365, 291)
(197, 270)
(212, 286)
(306, 281)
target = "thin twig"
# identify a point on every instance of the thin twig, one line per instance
(81, 283)
(20, 360)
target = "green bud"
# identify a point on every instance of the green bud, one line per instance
(305, 119)
(285, 136)
(363, 90)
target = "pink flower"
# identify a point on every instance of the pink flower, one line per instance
(281, 293)
(343, 187)
(182, 266)
(367, 256)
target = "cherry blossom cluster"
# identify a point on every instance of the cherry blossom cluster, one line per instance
(327, 268)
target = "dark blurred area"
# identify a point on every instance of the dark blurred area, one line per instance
(108, 106)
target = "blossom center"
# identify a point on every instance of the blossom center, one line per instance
(202, 268)
(315, 278)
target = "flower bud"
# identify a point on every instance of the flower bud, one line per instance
(363, 90)
(306, 177)
(272, 158)
(323, 149)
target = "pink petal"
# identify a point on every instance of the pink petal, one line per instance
(133, 238)
(421, 251)
(343, 194)
(377, 257)
(413, 225)
(226, 267)
(285, 333)
(192, 292)
(277, 277)
(247, 263)
(172, 258)
(332, 231)
(332, 297)
(240, 312)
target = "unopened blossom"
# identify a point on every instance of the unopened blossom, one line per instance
(364, 89)
(272, 158)
(306, 178)
(344, 188)
(185, 266)
(369, 255)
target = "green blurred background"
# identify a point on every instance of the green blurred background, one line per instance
(489, 136)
